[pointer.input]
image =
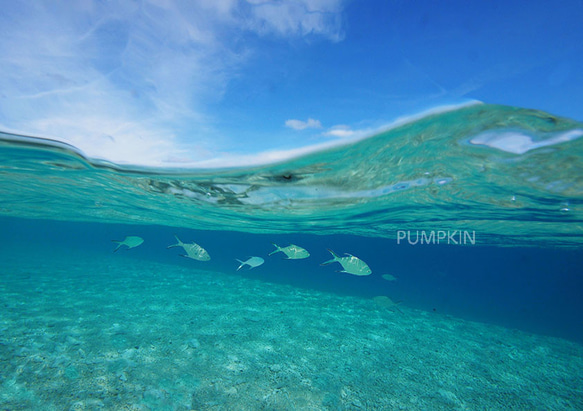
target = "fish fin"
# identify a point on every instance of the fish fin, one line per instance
(333, 254)
(118, 245)
(277, 249)
(332, 260)
(179, 244)
(350, 255)
(184, 255)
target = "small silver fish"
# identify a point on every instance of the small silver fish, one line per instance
(389, 277)
(351, 264)
(193, 250)
(130, 242)
(292, 251)
(252, 262)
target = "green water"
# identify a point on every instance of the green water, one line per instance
(435, 173)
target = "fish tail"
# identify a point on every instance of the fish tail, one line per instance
(242, 264)
(332, 260)
(118, 245)
(277, 250)
(333, 254)
(179, 244)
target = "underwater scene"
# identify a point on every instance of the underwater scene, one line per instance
(436, 265)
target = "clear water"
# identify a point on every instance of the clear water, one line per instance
(494, 323)
(436, 173)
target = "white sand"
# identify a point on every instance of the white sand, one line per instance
(112, 332)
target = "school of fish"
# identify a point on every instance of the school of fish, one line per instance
(350, 264)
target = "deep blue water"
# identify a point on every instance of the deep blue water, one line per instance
(532, 289)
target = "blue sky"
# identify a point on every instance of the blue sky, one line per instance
(223, 82)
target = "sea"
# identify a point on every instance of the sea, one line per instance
(453, 275)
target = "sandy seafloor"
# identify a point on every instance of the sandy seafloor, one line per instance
(114, 332)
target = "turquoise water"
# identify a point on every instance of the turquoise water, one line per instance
(470, 221)
(458, 170)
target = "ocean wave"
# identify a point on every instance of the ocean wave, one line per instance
(511, 174)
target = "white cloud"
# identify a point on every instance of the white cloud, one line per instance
(302, 125)
(341, 131)
(305, 17)
(132, 82)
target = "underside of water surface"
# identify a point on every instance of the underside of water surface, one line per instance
(512, 176)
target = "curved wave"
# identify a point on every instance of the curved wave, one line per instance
(513, 175)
